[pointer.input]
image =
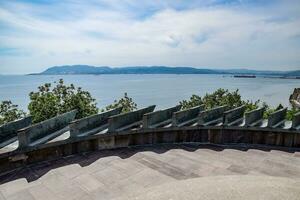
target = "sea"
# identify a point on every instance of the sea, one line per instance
(163, 90)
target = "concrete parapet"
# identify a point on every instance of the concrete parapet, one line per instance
(186, 117)
(127, 120)
(212, 116)
(46, 130)
(159, 118)
(296, 121)
(277, 118)
(254, 117)
(234, 116)
(8, 131)
(92, 124)
(226, 136)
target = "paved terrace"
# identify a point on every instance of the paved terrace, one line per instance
(161, 172)
(166, 154)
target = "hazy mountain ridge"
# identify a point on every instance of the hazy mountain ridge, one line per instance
(87, 69)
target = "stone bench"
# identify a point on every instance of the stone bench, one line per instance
(128, 120)
(254, 117)
(296, 121)
(277, 119)
(234, 116)
(212, 116)
(92, 124)
(8, 131)
(45, 131)
(159, 118)
(186, 117)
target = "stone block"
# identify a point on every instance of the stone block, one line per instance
(212, 116)
(186, 117)
(159, 118)
(92, 124)
(234, 116)
(46, 130)
(125, 121)
(254, 117)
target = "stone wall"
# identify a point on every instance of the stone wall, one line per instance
(159, 118)
(92, 124)
(44, 131)
(127, 120)
(8, 132)
(186, 135)
(186, 117)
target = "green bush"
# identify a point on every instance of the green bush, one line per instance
(125, 102)
(219, 98)
(10, 112)
(48, 102)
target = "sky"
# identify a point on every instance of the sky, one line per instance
(214, 34)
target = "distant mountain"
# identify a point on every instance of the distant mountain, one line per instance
(293, 73)
(86, 69)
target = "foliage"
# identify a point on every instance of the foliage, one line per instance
(48, 102)
(125, 102)
(291, 113)
(9, 112)
(219, 98)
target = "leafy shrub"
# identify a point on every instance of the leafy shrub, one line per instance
(48, 102)
(219, 98)
(125, 102)
(10, 112)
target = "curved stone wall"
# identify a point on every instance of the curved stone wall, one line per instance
(205, 135)
(215, 126)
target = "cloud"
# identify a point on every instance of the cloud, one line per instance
(218, 34)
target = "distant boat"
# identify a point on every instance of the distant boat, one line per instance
(244, 76)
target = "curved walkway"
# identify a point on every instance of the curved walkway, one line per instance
(161, 172)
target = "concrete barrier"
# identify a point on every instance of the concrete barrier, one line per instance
(92, 124)
(186, 117)
(277, 118)
(159, 118)
(8, 131)
(254, 117)
(234, 116)
(46, 130)
(296, 121)
(212, 116)
(127, 120)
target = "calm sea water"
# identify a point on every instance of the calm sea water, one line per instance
(162, 90)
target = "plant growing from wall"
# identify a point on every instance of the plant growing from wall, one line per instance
(10, 112)
(50, 101)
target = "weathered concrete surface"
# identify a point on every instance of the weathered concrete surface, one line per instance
(277, 118)
(234, 116)
(127, 120)
(296, 121)
(254, 117)
(44, 131)
(232, 187)
(159, 118)
(186, 117)
(8, 132)
(92, 124)
(212, 116)
(160, 172)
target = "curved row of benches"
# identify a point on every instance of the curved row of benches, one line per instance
(114, 121)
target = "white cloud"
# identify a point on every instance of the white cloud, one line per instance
(110, 33)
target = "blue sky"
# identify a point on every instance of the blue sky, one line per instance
(258, 34)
